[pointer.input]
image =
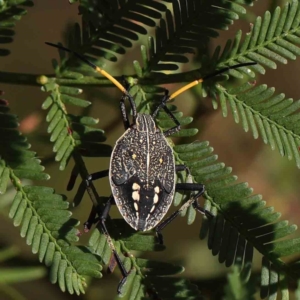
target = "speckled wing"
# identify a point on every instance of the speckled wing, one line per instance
(162, 162)
(122, 174)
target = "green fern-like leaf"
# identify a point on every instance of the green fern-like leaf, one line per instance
(236, 289)
(45, 222)
(146, 276)
(189, 27)
(112, 26)
(239, 217)
(273, 117)
(69, 132)
(242, 221)
(14, 152)
(273, 38)
(10, 12)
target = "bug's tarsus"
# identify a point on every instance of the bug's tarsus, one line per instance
(201, 210)
(179, 168)
(121, 283)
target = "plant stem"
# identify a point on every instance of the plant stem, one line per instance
(19, 78)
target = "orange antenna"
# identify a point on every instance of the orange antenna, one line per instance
(194, 83)
(98, 69)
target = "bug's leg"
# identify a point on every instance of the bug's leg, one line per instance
(123, 108)
(162, 105)
(95, 176)
(175, 128)
(187, 186)
(92, 219)
(102, 220)
(92, 216)
(124, 113)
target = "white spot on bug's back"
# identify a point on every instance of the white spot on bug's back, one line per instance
(136, 196)
(156, 189)
(136, 207)
(135, 186)
(155, 199)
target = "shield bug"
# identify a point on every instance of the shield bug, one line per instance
(142, 167)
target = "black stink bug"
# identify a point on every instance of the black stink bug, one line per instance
(142, 174)
(142, 168)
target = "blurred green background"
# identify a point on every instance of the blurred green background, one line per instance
(274, 177)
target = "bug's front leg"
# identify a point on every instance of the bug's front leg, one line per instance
(187, 186)
(124, 113)
(163, 106)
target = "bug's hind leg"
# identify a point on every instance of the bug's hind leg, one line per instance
(102, 219)
(187, 186)
(93, 218)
